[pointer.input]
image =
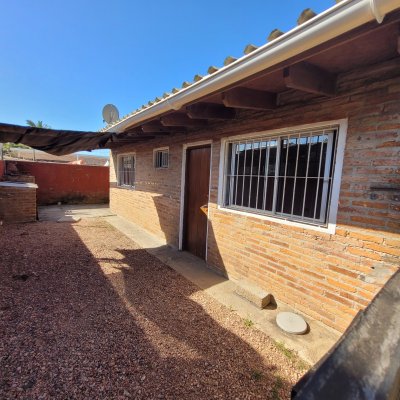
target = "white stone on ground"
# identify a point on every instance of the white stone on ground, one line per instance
(291, 323)
(69, 218)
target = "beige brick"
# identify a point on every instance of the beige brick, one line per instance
(317, 273)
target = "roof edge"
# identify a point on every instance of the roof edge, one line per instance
(337, 20)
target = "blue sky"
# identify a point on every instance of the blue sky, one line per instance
(62, 61)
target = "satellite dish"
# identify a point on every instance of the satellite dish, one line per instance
(110, 113)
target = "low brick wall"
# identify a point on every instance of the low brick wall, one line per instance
(68, 183)
(17, 204)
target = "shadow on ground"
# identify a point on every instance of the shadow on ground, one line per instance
(96, 317)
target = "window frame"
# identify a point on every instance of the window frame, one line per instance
(155, 151)
(119, 160)
(331, 198)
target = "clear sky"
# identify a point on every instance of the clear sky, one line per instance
(62, 61)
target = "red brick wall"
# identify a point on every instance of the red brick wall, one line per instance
(67, 183)
(326, 276)
(17, 204)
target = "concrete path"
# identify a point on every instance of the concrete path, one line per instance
(54, 213)
(310, 346)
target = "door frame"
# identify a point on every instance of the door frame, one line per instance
(186, 146)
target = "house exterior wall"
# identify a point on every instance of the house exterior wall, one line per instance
(154, 203)
(323, 275)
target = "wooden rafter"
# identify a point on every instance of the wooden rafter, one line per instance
(154, 126)
(398, 39)
(210, 111)
(139, 133)
(242, 97)
(124, 138)
(180, 119)
(133, 131)
(153, 133)
(310, 78)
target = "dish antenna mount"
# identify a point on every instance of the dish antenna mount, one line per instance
(110, 113)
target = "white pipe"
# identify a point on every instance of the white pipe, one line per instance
(375, 12)
(333, 22)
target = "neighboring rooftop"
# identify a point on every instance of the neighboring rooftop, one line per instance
(19, 154)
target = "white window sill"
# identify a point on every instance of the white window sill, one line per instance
(330, 229)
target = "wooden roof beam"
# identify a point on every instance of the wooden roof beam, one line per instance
(181, 119)
(252, 99)
(122, 138)
(152, 133)
(398, 39)
(138, 132)
(310, 78)
(154, 126)
(210, 111)
(132, 132)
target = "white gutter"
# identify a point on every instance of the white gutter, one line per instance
(335, 21)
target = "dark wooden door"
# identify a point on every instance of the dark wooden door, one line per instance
(196, 200)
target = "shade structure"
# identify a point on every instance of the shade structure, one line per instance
(56, 141)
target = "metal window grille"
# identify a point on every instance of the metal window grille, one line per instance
(161, 159)
(286, 176)
(126, 171)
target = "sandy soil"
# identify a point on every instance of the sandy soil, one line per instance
(87, 314)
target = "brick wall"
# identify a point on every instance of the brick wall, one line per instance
(17, 204)
(326, 276)
(19, 178)
(155, 201)
(68, 183)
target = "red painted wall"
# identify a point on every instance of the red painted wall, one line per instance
(68, 184)
(2, 168)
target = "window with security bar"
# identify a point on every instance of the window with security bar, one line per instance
(286, 176)
(161, 158)
(126, 170)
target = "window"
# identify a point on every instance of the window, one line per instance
(126, 170)
(161, 158)
(286, 176)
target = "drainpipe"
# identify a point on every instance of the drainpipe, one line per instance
(339, 19)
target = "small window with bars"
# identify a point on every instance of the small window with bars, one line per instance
(161, 158)
(126, 170)
(286, 176)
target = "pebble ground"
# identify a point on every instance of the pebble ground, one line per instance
(85, 313)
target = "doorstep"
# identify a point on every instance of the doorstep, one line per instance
(310, 346)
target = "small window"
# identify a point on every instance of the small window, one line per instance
(161, 158)
(286, 176)
(126, 170)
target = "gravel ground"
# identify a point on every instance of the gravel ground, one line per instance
(85, 313)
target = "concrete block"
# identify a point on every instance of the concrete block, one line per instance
(254, 294)
(291, 323)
